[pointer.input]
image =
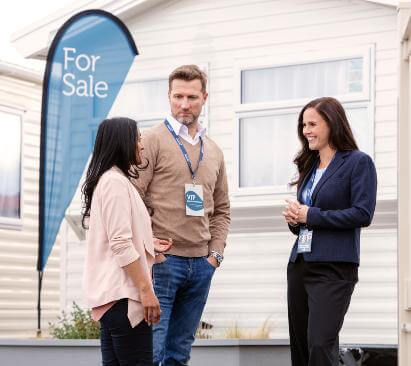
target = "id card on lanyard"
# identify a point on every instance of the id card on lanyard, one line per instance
(193, 197)
(305, 236)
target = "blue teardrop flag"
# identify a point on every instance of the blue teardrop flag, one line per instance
(86, 67)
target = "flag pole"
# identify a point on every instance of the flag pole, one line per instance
(40, 281)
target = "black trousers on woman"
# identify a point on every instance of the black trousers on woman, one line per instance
(319, 294)
(122, 345)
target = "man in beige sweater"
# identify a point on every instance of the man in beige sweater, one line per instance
(185, 183)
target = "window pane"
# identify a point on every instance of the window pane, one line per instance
(358, 118)
(302, 81)
(149, 96)
(268, 145)
(10, 151)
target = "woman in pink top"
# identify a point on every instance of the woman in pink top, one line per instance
(120, 247)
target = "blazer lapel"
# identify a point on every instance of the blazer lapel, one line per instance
(331, 169)
(300, 190)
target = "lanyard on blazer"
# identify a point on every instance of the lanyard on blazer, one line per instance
(184, 151)
(308, 197)
(309, 189)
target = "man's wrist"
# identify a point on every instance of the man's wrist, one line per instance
(218, 256)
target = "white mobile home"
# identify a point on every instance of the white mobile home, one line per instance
(20, 103)
(265, 59)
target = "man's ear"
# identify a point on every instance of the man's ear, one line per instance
(205, 96)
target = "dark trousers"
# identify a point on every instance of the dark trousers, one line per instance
(122, 345)
(319, 294)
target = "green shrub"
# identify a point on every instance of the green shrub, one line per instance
(79, 325)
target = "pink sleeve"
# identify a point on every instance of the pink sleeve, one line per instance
(116, 216)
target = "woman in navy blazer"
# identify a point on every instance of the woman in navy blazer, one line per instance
(336, 197)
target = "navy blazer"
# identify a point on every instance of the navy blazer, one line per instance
(343, 202)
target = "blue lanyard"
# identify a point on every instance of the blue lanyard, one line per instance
(308, 197)
(184, 151)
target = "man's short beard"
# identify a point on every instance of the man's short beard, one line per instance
(186, 121)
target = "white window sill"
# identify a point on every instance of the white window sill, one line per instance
(261, 196)
(11, 224)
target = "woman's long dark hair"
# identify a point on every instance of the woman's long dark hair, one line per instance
(341, 137)
(116, 145)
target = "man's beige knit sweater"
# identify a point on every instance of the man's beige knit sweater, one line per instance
(162, 186)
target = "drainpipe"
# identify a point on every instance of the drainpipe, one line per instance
(404, 185)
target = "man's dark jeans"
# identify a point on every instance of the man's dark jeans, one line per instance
(181, 285)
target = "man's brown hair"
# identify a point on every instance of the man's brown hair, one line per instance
(188, 73)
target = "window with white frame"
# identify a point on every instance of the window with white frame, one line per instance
(270, 100)
(10, 166)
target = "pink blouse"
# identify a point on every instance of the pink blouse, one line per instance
(119, 234)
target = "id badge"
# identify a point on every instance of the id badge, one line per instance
(194, 200)
(304, 240)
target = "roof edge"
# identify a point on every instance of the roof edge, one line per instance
(34, 40)
(21, 73)
(384, 2)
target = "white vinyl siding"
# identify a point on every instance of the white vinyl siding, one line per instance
(251, 288)
(19, 245)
